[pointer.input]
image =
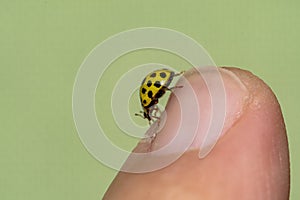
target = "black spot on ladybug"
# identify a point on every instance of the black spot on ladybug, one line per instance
(153, 75)
(144, 101)
(157, 84)
(150, 94)
(144, 90)
(149, 83)
(162, 74)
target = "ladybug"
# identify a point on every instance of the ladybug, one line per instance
(154, 86)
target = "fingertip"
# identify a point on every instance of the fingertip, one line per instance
(250, 161)
(257, 144)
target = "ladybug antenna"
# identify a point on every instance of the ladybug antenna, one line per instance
(140, 114)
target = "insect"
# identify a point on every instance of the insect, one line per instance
(154, 86)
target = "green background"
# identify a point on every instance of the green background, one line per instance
(43, 43)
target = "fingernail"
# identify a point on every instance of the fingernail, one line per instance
(211, 101)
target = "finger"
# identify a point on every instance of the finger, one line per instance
(250, 161)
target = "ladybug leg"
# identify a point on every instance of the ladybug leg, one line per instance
(157, 119)
(178, 86)
(175, 87)
(155, 112)
(139, 114)
(180, 73)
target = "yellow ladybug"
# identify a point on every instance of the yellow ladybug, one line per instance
(154, 86)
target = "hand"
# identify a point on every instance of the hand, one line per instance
(249, 161)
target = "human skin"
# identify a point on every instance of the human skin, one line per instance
(249, 161)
